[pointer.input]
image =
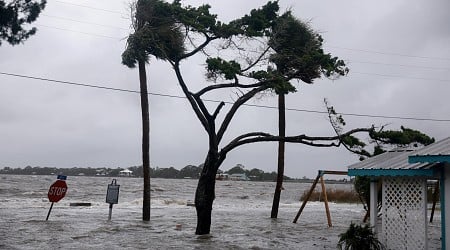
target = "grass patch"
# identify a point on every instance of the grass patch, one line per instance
(334, 195)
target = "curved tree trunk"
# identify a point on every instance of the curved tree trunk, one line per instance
(205, 193)
(282, 133)
(145, 140)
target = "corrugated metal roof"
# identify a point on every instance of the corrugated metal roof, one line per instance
(438, 148)
(397, 160)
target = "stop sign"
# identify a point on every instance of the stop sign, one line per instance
(57, 191)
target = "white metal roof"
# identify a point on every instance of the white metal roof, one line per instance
(438, 148)
(390, 160)
(399, 159)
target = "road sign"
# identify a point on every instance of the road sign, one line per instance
(112, 195)
(57, 191)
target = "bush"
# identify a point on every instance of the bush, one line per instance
(359, 237)
(338, 196)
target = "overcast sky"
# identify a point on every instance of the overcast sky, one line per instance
(398, 53)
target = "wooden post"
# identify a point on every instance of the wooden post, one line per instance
(325, 199)
(281, 152)
(319, 176)
(324, 172)
(308, 196)
(435, 197)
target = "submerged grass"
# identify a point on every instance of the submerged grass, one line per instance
(333, 195)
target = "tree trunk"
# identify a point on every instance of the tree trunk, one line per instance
(145, 140)
(281, 132)
(205, 194)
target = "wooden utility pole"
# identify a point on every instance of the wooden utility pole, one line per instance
(281, 149)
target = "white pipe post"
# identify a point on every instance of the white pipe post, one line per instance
(373, 204)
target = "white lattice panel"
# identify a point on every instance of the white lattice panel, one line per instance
(404, 220)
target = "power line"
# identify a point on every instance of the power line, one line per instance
(90, 7)
(379, 63)
(363, 73)
(402, 65)
(217, 101)
(390, 53)
(70, 83)
(366, 62)
(78, 21)
(336, 47)
(354, 114)
(397, 76)
(81, 32)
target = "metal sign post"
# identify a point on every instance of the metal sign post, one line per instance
(112, 195)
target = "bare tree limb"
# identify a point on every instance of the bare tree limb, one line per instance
(214, 116)
(316, 141)
(199, 48)
(228, 85)
(241, 100)
(257, 60)
(337, 129)
(201, 116)
(202, 107)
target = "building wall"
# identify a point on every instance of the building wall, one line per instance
(447, 207)
(404, 218)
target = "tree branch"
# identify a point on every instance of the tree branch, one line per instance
(202, 107)
(218, 110)
(257, 60)
(315, 141)
(228, 85)
(195, 105)
(241, 100)
(199, 48)
(337, 129)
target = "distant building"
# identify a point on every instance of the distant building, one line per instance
(239, 177)
(101, 172)
(222, 177)
(126, 172)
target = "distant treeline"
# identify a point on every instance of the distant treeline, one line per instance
(190, 171)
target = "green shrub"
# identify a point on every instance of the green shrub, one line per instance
(359, 237)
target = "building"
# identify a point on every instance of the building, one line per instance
(126, 172)
(439, 153)
(403, 176)
(239, 177)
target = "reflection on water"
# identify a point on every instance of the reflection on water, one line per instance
(241, 216)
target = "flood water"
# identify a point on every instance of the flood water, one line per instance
(240, 220)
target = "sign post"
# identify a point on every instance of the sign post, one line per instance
(57, 191)
(112, 195)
